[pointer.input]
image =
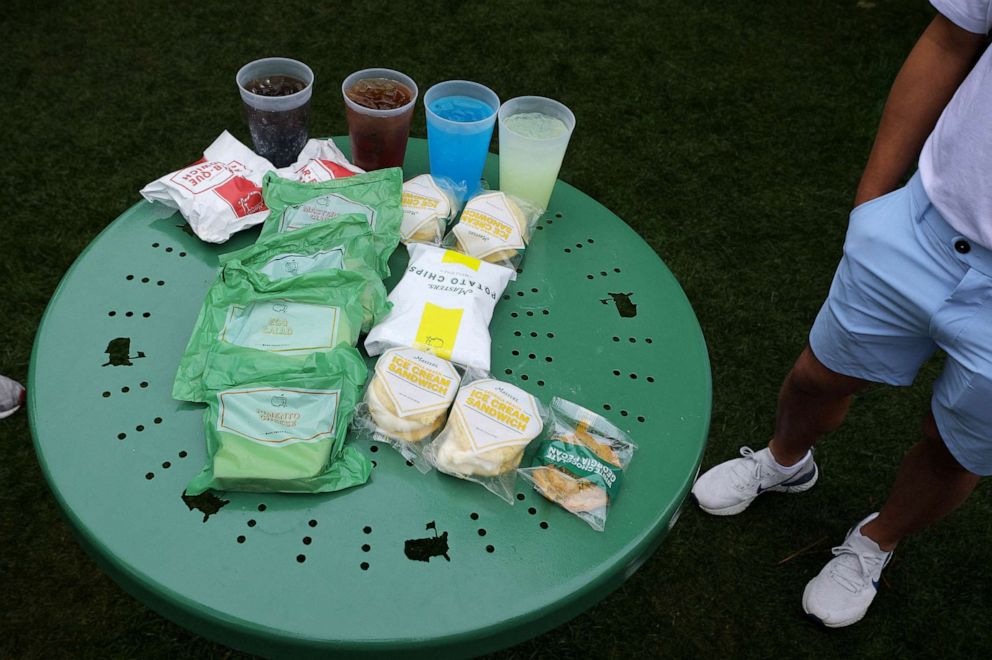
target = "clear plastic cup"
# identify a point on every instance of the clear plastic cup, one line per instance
(529, 161)
(378, 137)
(460, 120)
(279, 125)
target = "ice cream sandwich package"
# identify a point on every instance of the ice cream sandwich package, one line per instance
(342, 245)
(443, 305)
(246, 316)
(320, 160)
(218, 195)
(489, 427)
(580, 463)
(429, 204)
(494, 227)
(407, 399)
(377, 196)
(280, 426)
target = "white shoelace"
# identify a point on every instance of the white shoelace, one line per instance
(747, 473)
(854, 570)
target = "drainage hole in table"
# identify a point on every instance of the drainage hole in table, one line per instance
(568, 250)
(530, 313)
(145, 280)
(312, 523)
(590, 241)
(640, 418)
(183, 454)
(520, 294)
(549, 359)
(607, 406)
(482, 532)
(129, 314)
(262, 507)
(112, 313)
(517, 333)
(166, 465)
(301, 558)
(182, 254)
(514, 353)
(139, 428)
(589, 277)
(367, 529)
(624, 413)
(242, 539)
(143, 384)
(121, 436)
(155, 245)
(106, 394)
(374, 448)
(551, 335)
(514, 315)
(157, 420)
(559, 215)
(364, 566)
(374, 464)
(307, 540)
(473, 515)
(149, 476)
(161, 283)
(533, 334)
(168, 249)
(409, 463)
(531, 356)
(532, 511)
(540, 383)
(544, 524)
(616, 339)
(508, 372)
(523, 376)
(252, 523)
(579, 245)
(490, 549)
(366, 547)
(129, 278)
(521, 496)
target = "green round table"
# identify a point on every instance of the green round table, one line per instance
(594, 316)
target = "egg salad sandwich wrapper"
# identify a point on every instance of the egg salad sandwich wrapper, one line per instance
(342, 245)
(489, 427)
(429, 204)
(278, 426)
(580, 463)
(377, 196)
(443, 305)
(320, 160)
(246, 317)
(218, 195)
(406, 401)
(495, 227)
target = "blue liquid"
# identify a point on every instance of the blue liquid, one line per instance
(459, 152)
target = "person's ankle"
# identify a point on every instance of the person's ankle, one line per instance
(786, 459)
(875, 532)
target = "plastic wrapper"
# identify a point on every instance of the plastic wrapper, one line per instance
(320, 160)
(375, 195)
(276, 425)
(429, 204)
(293, 318)
(407, 399)
(494, 227)
(343, 245)
(489, 427)
(580, 462)
(218, 195)
(442, 305)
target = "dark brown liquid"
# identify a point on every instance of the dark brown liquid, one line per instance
(275, 86)
(380, 93)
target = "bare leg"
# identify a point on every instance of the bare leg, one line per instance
(930, 484)
(813, 401)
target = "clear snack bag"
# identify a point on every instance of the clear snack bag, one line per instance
(376, 195)
(442, 305)
(494, 227)
(429, 204)
(244, 315)
(320, 160)
(488, 429)
(580, 462)
(218, 195)
(407, 399)
(278, 425)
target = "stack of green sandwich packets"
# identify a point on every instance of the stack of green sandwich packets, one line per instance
(273, 354)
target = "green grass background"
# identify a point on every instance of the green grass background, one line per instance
(729, 134)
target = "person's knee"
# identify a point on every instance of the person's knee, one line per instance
(941, 458)
(811, 378)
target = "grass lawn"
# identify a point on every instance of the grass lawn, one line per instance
(730, 135)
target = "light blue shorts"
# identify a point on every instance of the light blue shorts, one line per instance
(907, 285)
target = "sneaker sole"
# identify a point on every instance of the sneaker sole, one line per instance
(734, 509)
(7, 413)
(836, 624)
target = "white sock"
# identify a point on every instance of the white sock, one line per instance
(792, 469)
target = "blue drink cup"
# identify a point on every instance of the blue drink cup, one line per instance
(460, 120)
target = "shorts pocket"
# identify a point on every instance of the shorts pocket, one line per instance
(863, 206)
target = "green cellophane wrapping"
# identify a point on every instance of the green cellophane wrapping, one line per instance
(294, 317)
(376, 195)
(345, 244)
(274, 424)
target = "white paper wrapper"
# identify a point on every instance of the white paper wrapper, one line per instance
(320, 160)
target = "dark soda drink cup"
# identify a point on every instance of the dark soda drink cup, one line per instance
(379, 105)
(275, 94)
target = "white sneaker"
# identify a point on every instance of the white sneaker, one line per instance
(841, 593)
(731, 486)
(11, 396)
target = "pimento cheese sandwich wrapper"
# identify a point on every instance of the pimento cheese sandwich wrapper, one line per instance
(443, 305)
(495, 227)
(489, 427)
(407, 399)
(320, 160)
(218, 195)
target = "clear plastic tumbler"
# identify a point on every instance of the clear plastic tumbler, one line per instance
(533, 135)
(278, 117)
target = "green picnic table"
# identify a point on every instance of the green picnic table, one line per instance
(420, 565)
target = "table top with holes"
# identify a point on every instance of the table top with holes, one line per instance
(299, 574)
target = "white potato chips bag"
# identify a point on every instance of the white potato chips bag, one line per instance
(218, 195)
(320, 160)
(488, 429)
(442, 305)
(407, 400)
(429, 204)
(494, 227)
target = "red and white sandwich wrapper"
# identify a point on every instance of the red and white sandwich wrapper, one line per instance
(218, 195)
(320, 160)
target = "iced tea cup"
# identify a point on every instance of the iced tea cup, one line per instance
(275, 93)
(533, 136)
(460, 119)
(379, 134)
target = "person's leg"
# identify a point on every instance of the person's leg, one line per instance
(929, 485)
(813, 401)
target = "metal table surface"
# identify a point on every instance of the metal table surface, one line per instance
(594, 316)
